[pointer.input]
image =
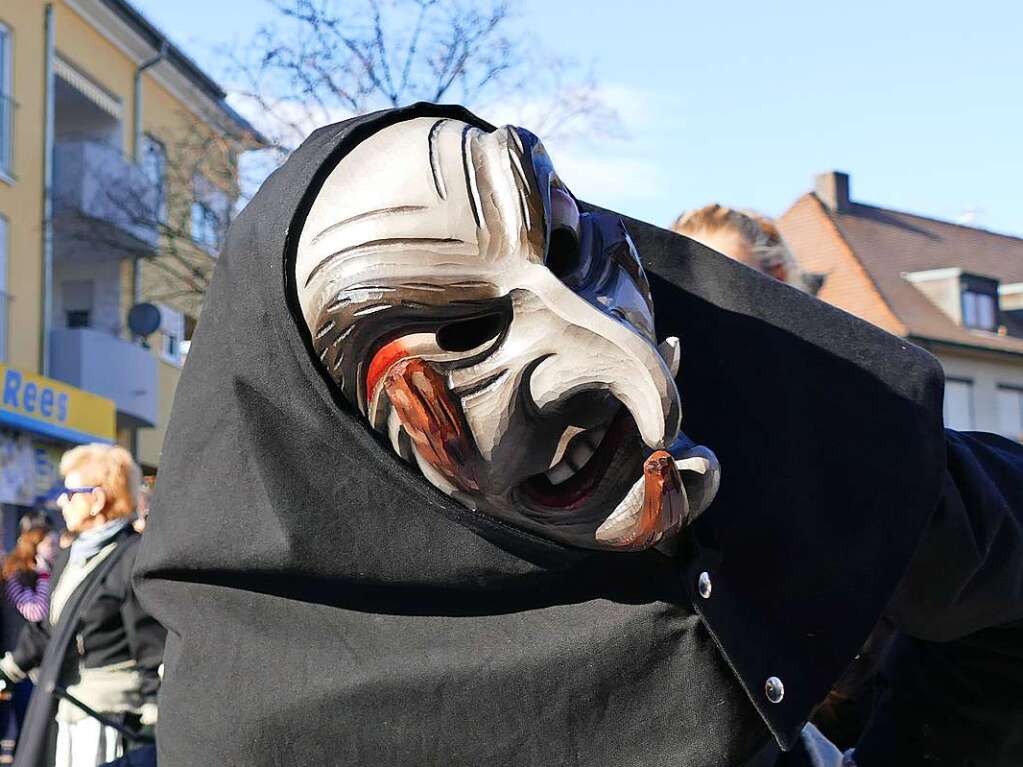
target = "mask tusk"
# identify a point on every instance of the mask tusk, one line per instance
(655, 506)
(672, 492)
(671, 353)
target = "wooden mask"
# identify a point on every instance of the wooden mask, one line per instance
(498, 338)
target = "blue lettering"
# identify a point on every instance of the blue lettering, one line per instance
(12, 382)
(46, 402)
(29, 397)
(62, 407)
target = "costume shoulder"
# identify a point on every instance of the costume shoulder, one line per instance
(296, 559)
(829, 432)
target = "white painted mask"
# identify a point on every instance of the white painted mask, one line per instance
(499, 339)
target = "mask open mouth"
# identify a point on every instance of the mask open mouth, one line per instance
(634, 498)
(593, 458)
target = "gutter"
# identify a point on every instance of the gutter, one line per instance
(161, 54)
(48, 118)
(177, 58)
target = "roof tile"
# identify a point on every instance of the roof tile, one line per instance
(888, 244)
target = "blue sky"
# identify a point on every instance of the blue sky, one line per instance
(743, 102)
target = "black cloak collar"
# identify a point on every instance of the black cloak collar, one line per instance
(300, 566)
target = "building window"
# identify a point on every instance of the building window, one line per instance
(6, 102)
(172, 328)
(78, 318)
(189, 326)
(205, 226)
(78, 302)
(154, 165)
(211, 209)
(3, 288)
(958, 410)
(1010, 412)
(980, 310)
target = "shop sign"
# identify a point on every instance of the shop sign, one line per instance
(54, 409)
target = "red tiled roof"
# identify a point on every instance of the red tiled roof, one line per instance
(888, 244)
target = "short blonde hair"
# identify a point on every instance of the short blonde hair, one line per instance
(771, 254)
(110, 467)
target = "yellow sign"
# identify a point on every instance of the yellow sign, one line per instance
(54, 409)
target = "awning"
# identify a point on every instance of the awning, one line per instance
(54, 409)
(81, 83)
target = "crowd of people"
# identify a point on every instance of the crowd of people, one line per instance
(82, 657)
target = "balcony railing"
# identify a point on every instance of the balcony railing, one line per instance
(96, 181)
(111, 367)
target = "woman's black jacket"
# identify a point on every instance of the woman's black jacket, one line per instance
(101, 623)
(112, 627)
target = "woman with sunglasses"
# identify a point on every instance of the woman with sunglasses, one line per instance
(97, 651)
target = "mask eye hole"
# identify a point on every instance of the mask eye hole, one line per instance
(563, 254)
(464, 335)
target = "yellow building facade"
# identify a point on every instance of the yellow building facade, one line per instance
(118, 174)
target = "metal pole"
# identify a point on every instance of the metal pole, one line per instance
(48, 116)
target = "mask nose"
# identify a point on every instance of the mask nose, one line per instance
(595, 351)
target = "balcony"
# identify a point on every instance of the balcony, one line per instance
(99, 197)
(111, 367)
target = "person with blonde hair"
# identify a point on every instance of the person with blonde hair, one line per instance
(97, 651)
(748, 237)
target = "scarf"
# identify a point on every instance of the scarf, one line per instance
(88, 544)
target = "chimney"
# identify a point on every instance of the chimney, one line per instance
(833, 189)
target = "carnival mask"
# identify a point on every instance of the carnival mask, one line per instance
(500, 339)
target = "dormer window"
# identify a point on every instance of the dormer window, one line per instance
(980, 310)
(979, 297)
(968, 299)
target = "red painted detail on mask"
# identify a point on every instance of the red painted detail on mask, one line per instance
(382, 361)
(663, 502)
(433, 420)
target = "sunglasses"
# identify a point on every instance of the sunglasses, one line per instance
(71, 492)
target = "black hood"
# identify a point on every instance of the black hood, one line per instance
(327, 605)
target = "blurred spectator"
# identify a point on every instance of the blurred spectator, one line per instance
(748, 237)
(100, 647)
(26, 573)
(27, 567)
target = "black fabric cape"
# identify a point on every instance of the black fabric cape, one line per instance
(326, 605)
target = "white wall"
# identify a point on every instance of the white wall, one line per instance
(985, 374)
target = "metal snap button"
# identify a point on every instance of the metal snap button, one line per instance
(704, 586)
(774, 689)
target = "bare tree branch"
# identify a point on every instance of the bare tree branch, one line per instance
(318, 62)
(321, 61)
